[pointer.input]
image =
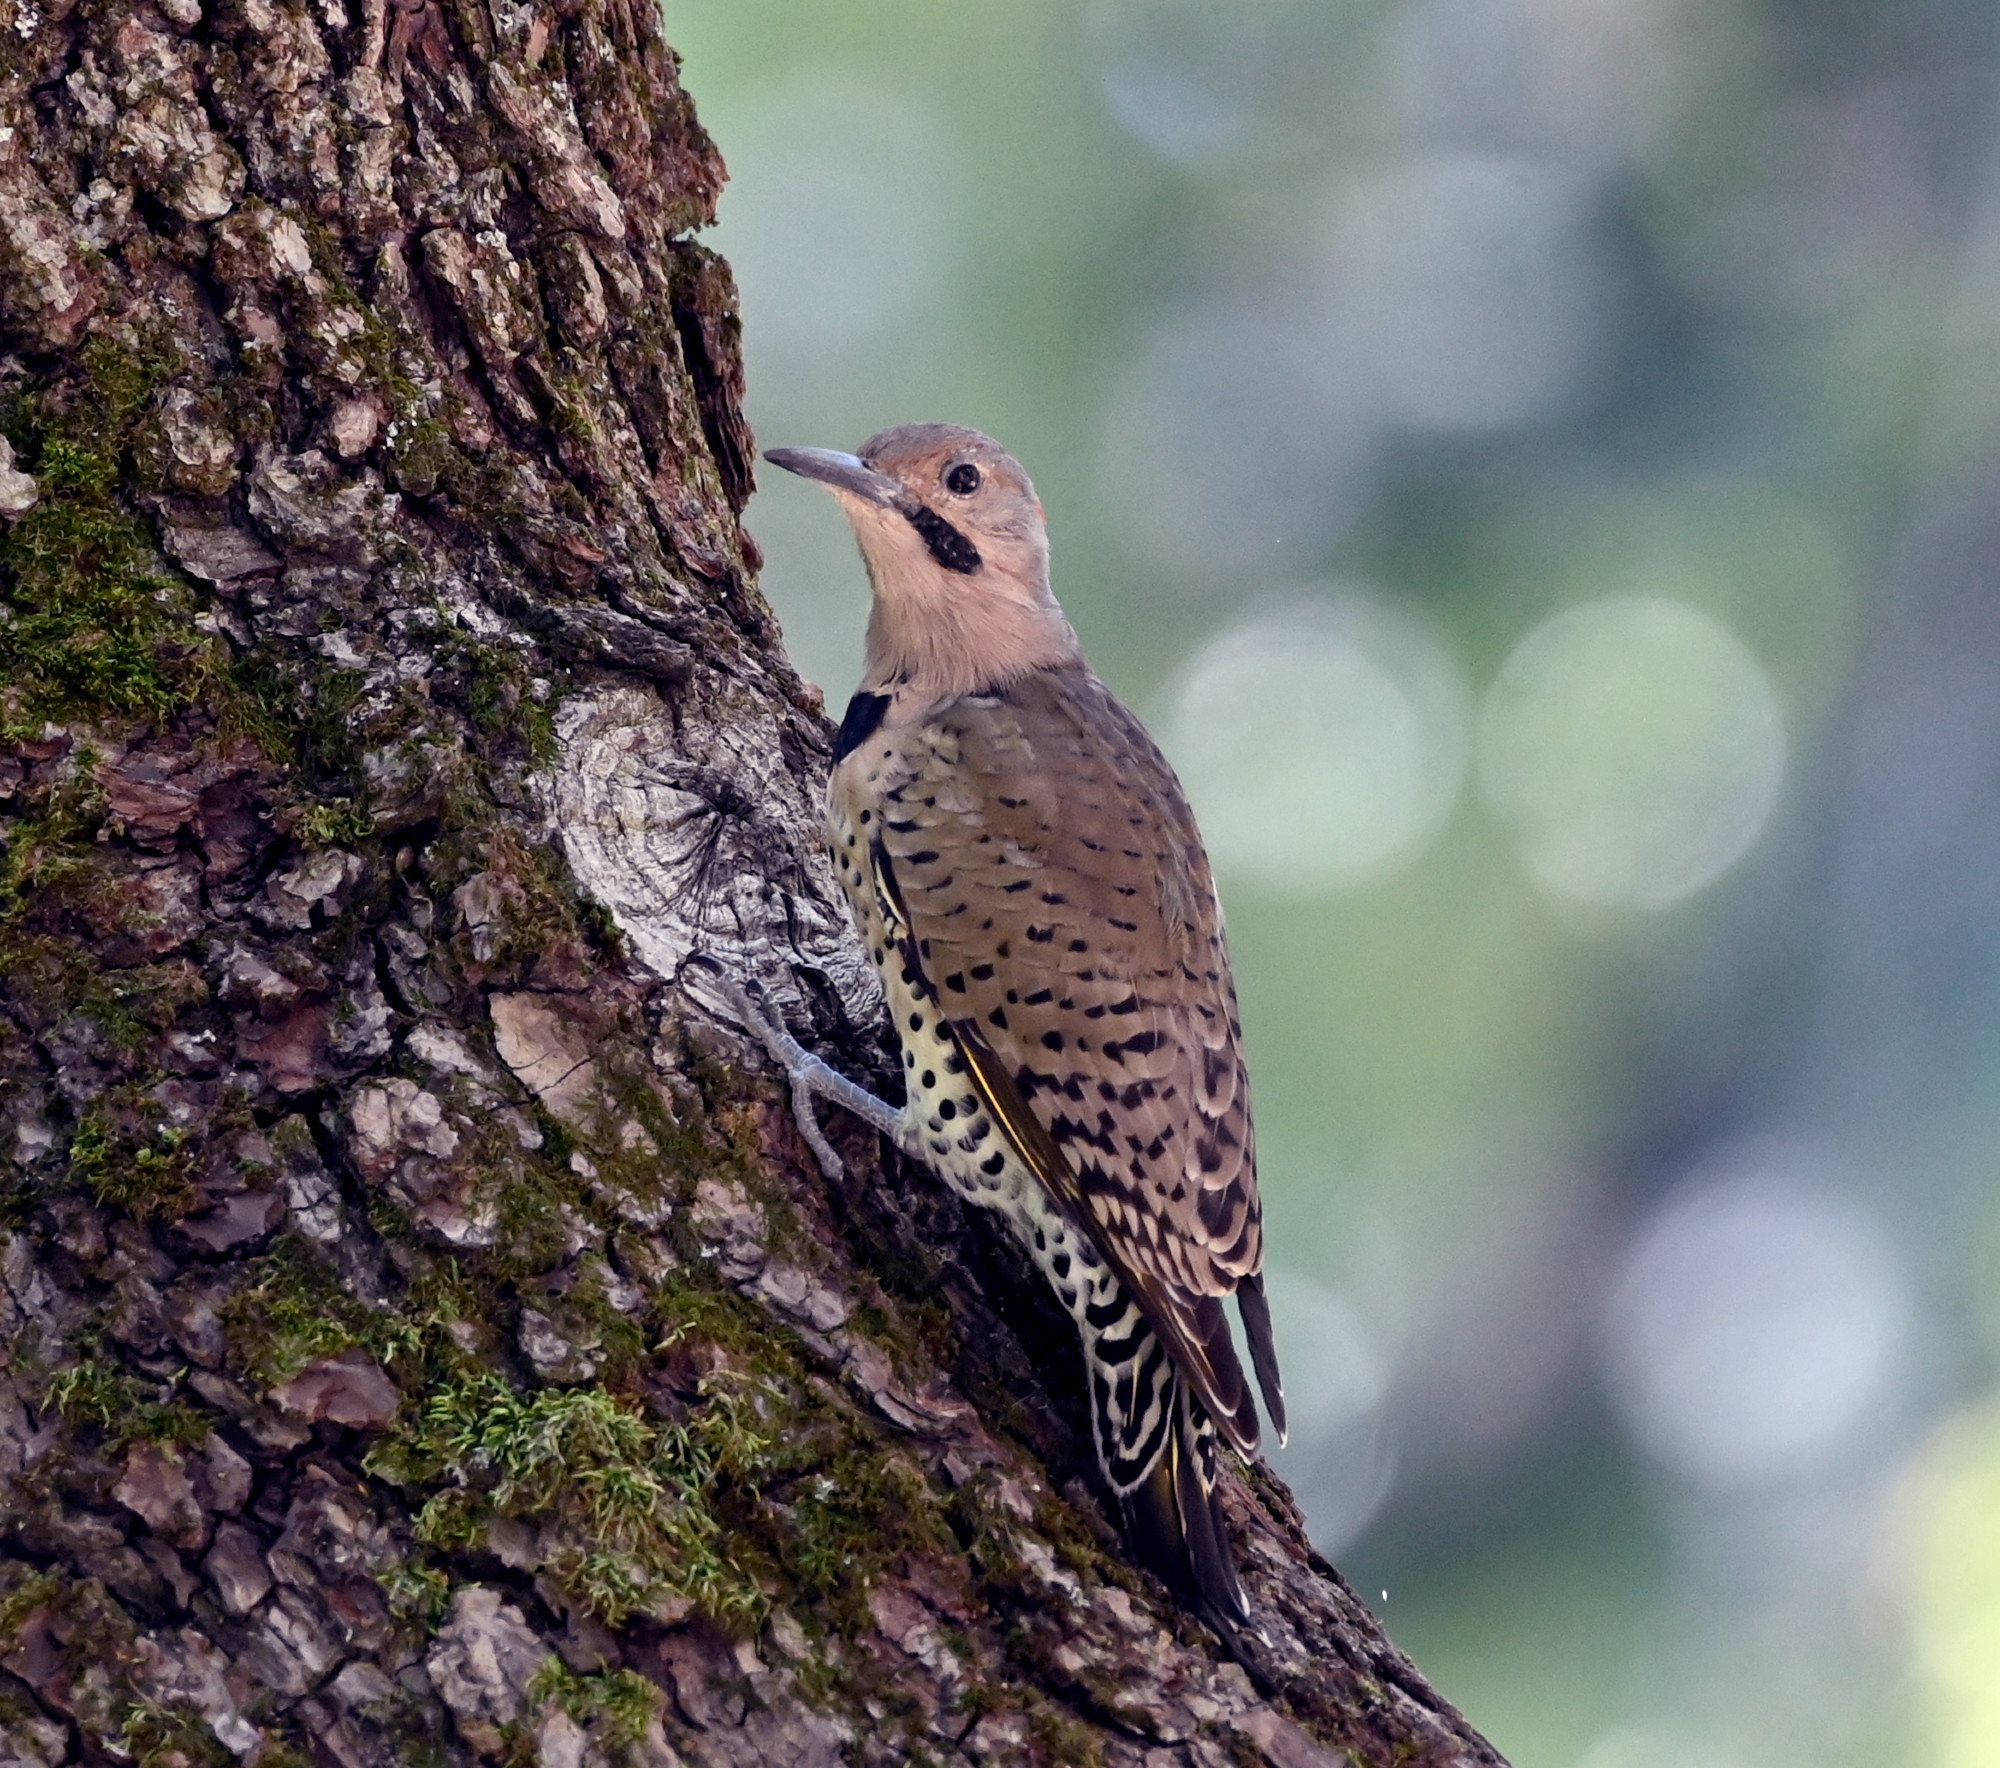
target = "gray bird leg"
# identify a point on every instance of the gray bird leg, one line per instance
(810, 1075)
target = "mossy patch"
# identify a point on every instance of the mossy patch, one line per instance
(620, 1706)
(1062, 1738)
(94, 1639)
(52, 866)
(535, 915)
(90, 622)
(625, 1503)
(133, 1161)
(53, 979)
(294, 1309)
(97, 1393)
(496, 689)
(300, 711)
(418, 1592)
(851, 1524)
(160, 1736)
(23, 1591)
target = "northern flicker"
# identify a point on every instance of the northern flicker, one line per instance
(1029, 882)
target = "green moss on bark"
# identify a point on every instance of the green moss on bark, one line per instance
(90, 621)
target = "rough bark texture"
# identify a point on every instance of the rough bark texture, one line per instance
(426, 1339)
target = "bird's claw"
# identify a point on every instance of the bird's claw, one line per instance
(810, 1077)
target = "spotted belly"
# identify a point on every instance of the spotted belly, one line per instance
(1132, 1380)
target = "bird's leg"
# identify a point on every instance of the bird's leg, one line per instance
(809, 1076)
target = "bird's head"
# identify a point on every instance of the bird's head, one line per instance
(957, 548)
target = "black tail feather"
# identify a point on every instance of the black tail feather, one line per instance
(1174, 1517)
(1219, 1376)
(1256, 1311)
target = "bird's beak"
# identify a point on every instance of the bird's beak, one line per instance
(843, 472)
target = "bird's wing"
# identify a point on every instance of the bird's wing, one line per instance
(1060, 906)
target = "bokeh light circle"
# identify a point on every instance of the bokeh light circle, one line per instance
(1186, 77)
(1234, 446)
(1755, 1324)
(1338, 1458)
(1950, 1527)
(1636, 748)
(840, 213)
(1464, 285)
(1322, 743)
(1575, 83)
(1214, 83)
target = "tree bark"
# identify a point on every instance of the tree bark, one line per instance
(427, 1339)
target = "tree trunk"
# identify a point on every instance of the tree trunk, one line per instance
(427, 1339)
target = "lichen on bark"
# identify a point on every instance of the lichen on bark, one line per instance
(423, 1337)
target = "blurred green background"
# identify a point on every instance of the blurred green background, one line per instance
(1534, 463)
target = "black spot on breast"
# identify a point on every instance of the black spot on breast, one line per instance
(864, 718)
(947, 544)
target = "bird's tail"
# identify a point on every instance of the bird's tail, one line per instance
(1159, 1451)
(1174, 1516)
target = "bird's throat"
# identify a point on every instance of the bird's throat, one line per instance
(931, 641)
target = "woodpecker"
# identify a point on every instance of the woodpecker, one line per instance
(1026, 874)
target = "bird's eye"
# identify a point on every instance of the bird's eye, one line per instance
(962, 479)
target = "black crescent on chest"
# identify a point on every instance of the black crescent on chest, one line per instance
(865, 713)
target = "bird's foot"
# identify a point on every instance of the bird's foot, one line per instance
(810, 1076)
